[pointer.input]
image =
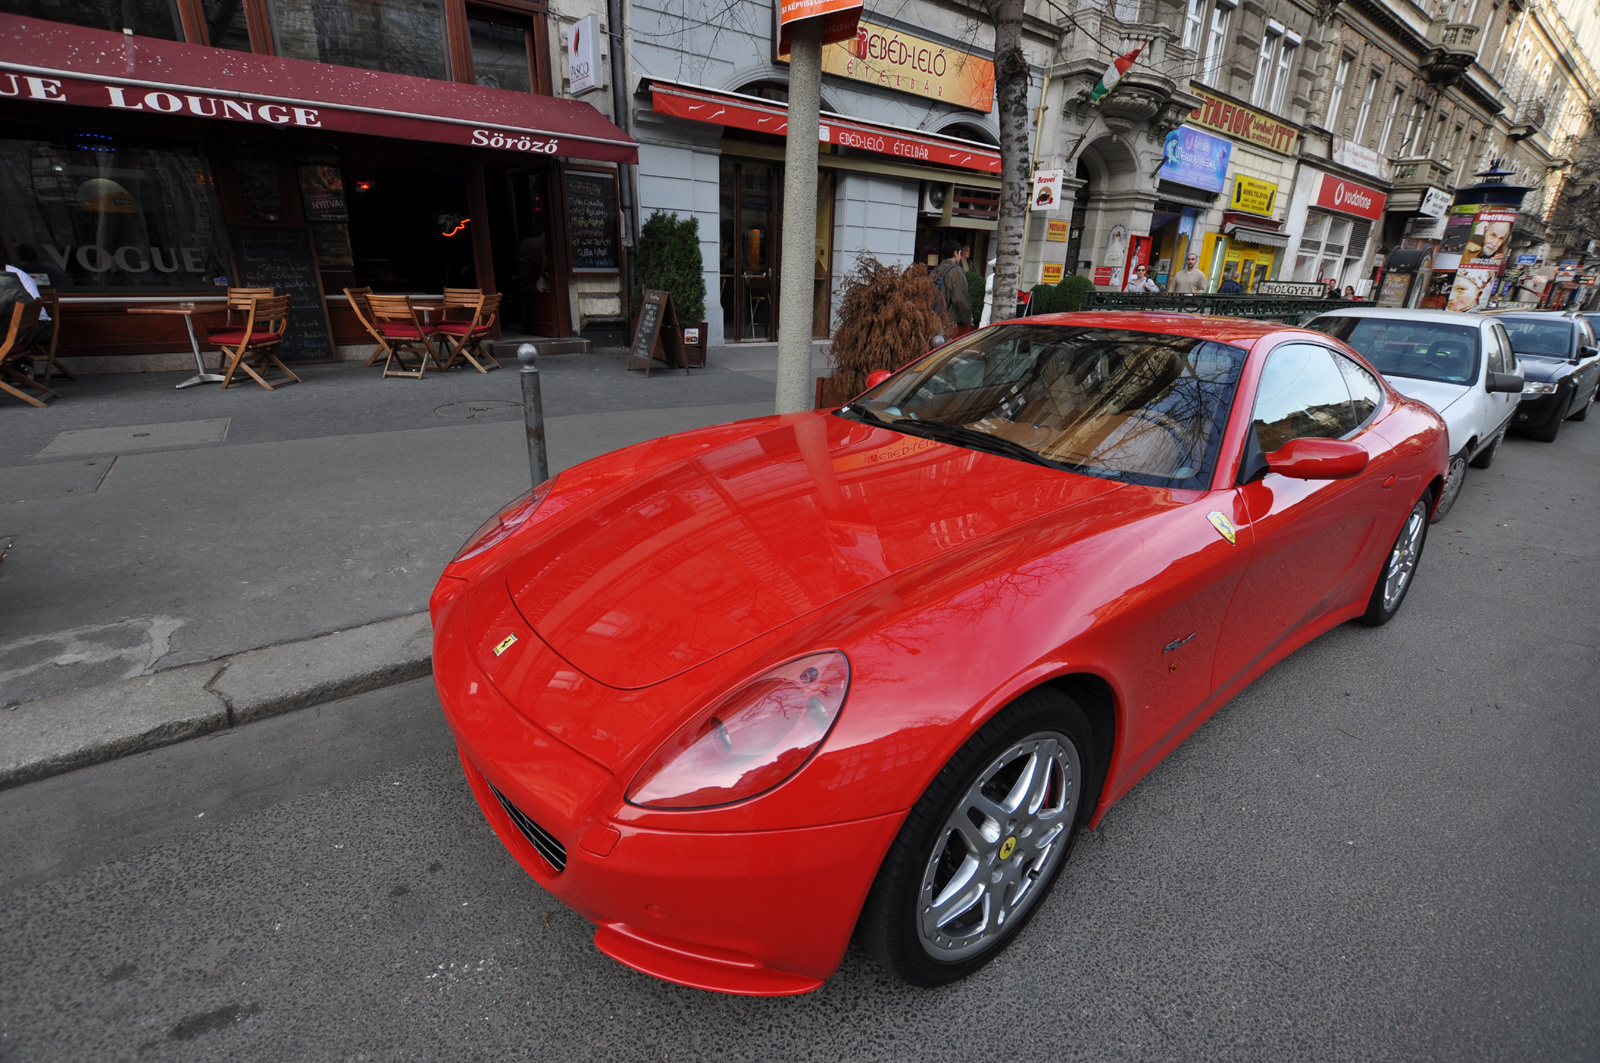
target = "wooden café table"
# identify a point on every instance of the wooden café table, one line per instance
(187, 312)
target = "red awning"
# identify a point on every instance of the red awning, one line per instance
(53, 63)
(766, 116)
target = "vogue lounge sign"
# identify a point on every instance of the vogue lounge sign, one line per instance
(150, 98)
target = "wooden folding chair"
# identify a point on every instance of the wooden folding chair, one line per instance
(363, 312)
(257, 342)
(16, 345)
(463, 337)
(44, 351)
(401, 330)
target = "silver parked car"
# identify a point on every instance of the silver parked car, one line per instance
(1460, 364)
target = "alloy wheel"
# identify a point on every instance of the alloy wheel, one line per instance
(1403, 559)
(1002, 841)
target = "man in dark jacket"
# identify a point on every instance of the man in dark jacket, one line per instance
(951, 280)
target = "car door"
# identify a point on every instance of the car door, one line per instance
(1588, 371)
(1499, 358)
(1313, 540)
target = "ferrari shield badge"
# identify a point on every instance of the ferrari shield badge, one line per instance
(511, 640)
(1223, 525)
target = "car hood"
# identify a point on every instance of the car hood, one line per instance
(672, 567)
(1543, 368)
(1439, 395)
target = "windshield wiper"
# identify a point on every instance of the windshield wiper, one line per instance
(961, 435)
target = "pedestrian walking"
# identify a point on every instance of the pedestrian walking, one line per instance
(951, 281)
(1230, 282)
(1188, 280)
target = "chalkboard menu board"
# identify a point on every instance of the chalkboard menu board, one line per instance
(658, 335)
(280, 258)
(593, 230)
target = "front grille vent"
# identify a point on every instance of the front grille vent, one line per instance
(553, 851)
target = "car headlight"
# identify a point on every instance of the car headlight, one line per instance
(510, 517)
(1538, 387)
(750, 740)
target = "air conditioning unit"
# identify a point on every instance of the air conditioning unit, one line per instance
(935, 194)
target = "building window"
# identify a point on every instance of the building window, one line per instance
(1280, 78)
(1388, 121)
(396, 36)
(96, 211)
(1200, 15)
(1194, 20)
(1366, 105)
(1265, 59)
(500, 53)
(1412, 140)
(1331, 248)
(147, 18)
(1341, 74)
(226, 25)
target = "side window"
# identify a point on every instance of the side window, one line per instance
(1365, 394)
(1302, 393)
(1501, 360)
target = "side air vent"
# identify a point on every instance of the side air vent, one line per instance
(542, 840)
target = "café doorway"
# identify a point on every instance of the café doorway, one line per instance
(749, 249)
(528, 252)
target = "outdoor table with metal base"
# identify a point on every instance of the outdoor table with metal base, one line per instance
(201, 376)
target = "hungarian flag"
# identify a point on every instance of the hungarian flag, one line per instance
(1113, 74)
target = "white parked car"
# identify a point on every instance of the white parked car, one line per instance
(1460, 364)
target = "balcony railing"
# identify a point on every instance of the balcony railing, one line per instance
(1421, 171)
(1453, 47)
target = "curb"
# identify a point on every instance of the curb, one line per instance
(51, 736)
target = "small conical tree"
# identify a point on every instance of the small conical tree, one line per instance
(888, 315)
(669, 261)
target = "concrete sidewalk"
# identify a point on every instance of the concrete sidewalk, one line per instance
(157, 528)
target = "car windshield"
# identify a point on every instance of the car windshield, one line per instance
(1135, 406)
(1542, 339)
(1423, 350)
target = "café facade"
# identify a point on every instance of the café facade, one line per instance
(136, 169)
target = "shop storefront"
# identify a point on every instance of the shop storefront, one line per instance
(136, 169)
(1193, 175)
(1332, 229)
(1245, 236)
(892, 192)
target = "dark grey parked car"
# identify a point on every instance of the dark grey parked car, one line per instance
(1560, 369)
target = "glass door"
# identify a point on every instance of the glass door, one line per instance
(536, 288)
(749, 250)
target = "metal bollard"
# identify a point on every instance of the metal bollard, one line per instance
(533, 413)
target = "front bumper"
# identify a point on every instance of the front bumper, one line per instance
(1538, 411)
(763, 913)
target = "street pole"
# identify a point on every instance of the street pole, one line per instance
(533, 413)
(795, 390)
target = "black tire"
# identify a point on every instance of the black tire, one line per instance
(1381, 608)
(1454, 479)
(1486, 456)
(891, 927)
(1583, 413)
(1548, 433)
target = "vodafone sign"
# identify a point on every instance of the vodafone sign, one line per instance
(1347, 197)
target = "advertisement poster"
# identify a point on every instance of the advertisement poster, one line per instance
(1489, 239)
(1052, 273)
(1458, 228)
(1254, 196)
(322, 192)
(1047, 189)
(1471, 289)
(1057, 232)
(1196, 159)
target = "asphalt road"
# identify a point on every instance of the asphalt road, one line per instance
(1385, 849)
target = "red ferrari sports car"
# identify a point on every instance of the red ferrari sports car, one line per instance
(738, 694)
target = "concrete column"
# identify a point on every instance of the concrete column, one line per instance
(795, 389)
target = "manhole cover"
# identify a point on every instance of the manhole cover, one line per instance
(476, 408)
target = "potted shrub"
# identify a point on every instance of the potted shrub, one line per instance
(669, 260)
(888, 315)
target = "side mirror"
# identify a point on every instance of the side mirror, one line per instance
(1587, 352)
(1318, 459)
(1509, 383)
(878, 376)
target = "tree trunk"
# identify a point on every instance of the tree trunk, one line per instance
(1011, 93)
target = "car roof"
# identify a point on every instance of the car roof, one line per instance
(1445, 317)
(1235, 330)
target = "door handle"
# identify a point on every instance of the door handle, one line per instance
(1388, 481)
